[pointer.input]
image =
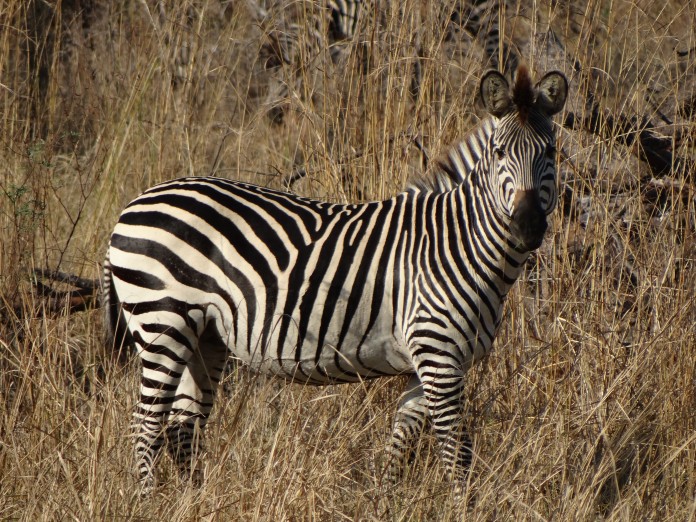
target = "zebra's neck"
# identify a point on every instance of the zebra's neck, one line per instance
(459, 162)
(477, 237)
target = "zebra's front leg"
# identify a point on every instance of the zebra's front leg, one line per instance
(409, 422)
(195, 396)
(443, 387)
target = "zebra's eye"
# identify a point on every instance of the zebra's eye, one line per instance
(550, 151)
(500, 153)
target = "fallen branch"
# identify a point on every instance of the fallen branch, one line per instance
(85, 295)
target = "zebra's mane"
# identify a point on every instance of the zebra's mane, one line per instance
(457, 164)
(523, 95)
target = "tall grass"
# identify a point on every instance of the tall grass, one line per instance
(586, 408)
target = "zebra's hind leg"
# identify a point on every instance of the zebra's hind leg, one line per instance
(164, 351)
(194, 401)
(409, 422)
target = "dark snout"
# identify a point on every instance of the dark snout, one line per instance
(529, 219)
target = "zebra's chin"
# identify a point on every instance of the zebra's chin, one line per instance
(529, 238)
(532, 243)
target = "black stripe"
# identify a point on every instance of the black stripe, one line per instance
(137, 277)
(391, 248)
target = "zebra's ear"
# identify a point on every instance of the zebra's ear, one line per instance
(495, 93)
(553, 90)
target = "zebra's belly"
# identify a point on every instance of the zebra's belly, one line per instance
(329, 365)
(348, 356)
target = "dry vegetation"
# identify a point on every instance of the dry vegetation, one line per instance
(587, 408)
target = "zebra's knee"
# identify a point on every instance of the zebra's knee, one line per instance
(185, 446)
(457, 453)
(466, 452)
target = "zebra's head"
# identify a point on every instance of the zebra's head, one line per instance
(522, 149)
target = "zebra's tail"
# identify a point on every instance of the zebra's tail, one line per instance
(118, 337)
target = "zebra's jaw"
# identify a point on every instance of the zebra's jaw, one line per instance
(528, 223)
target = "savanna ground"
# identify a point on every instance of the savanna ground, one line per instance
(586, 409)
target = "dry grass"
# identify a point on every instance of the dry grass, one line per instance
(587, 408)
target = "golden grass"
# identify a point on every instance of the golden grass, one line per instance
(586, 408)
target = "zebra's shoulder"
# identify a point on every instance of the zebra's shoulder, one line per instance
(456, 164)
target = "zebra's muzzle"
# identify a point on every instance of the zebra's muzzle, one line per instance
(529, 220)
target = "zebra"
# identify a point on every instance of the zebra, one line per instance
(482, 21)
(327, 293)
(294, 42)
